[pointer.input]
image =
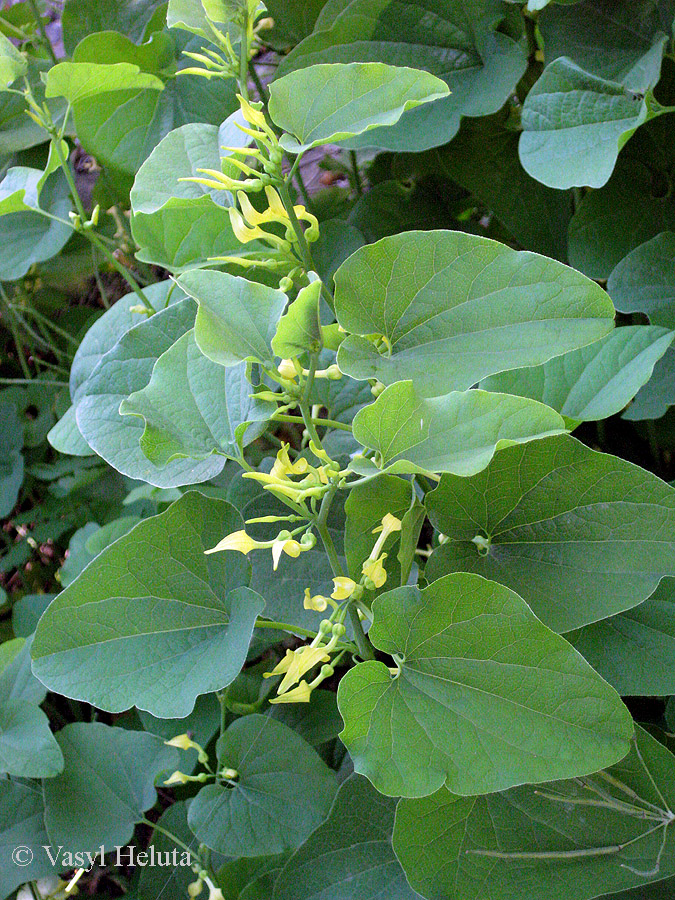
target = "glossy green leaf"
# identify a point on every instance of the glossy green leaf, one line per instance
(620, 40)
(635, 651)
(299, 329)
(237, 318)
(27, 746)
(282, 792)
(459, 432)
(580, 535)
(350, 856)
(125, 368)
(436, 838)
(194, 408)
(459, 43)
(574, 125)
(152, 621)
(106, 785)
(453, 308)
(179, 223)
(11, 460)
(485, 694)
(13, 64)
(644, 280)
(347, 99)
(594, 382)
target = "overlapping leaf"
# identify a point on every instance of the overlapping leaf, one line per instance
(576, 841)
(459, 432)
(580, 535)
(485, 695)
(152, 621)
(644, 280)
(594, 382)
(452, 308)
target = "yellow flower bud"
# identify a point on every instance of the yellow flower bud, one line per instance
(299, 694)
(177, 778)
(239, 541)
(287, 370)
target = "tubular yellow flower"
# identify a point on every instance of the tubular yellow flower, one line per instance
(284, 466)
(177, 778)
(184, 742)
(286, 369)
(242, 232)
(240, 541)
(289, 546)
(304, 659)
(282, 666)
(299, 694)
(318, 602)
(252, 114)
(374, 570)
(390, 524)
(344, 587)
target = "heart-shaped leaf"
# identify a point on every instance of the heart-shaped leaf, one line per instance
(153, 621)
(281, 793)
(482, 692)
(346, 100)
(580, 535)
(450, 308)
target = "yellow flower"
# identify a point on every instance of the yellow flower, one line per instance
(374, 570)
(252, 114)
(194, 889)
(183, 742)
(305, 658)
(282, 666)
(289, 546)
(318, 603)
(242, 232)
(389, 525)
(344, 587)
(240, 541)
(299, 694)
(177, 778)
(287, 370)
(283, 465)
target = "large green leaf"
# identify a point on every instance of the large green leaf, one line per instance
(22, 825)
(636, 204)
(193, 408)
(436, 838)
(126, 368)
(152, 621)
(13, 64)
(580, 535)
(635, 651)
(458, 432)
(179, 223)
(454, 307)
(346, 100)
(459, 42)
(11, 460)
(82, 81)
(574, 125)
(237, 318)
(655, 398)
(29, 237)
(485, 696)
(106, 785)
(484, 159)
(27, 746)
(594, 382)
(106, 331)
(350, 856)
(282, 792)
(129, 17)
(644, 280)
(620, 40)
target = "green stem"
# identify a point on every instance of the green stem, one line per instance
(303, 190)
(43, 31)
(38, 382)
(305, 252)
(88, 233)
(172, 837)
(284, 626)
(243, 60)
(259, 86)
(15, 334)
(328, 423)
(358, 183)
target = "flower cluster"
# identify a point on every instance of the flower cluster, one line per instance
(296, 664)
